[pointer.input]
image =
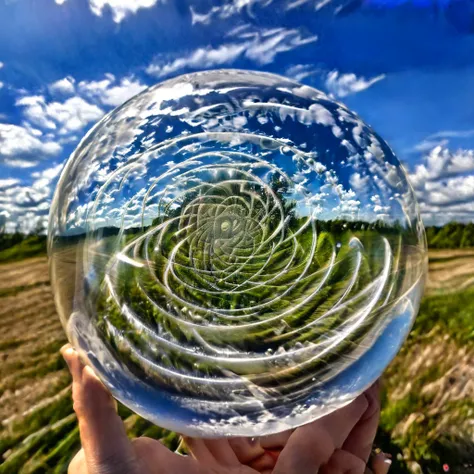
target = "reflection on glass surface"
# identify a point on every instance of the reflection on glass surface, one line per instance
(235, 253)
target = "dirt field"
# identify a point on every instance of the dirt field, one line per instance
(450, 270)
(38, 431)
(30, 334)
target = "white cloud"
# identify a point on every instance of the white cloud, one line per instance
(96, 89)
(322, 4)
(442, 163)
(35, 111)
(20, 163)
(49, 173)
(200, 58)
(63, 86)
(27, 205)
(50, 125)
(260, 47)
(342, 85)
(301, 71)
(1, 64)
(74, 114)
(203, 18)
(444, 185)
(1, 84)
(295, 4)
(108, 94)
(378, 208)
(233, 7)
(441, 138)
(428, 144)
(120, 8)
(358, 182)
(20, 145)
(453, 134)
(265, 46)
(8, 182)
(65, 117)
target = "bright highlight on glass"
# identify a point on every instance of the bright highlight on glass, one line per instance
(235, 253)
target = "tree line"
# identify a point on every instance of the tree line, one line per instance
(450, 236)
(454, 235)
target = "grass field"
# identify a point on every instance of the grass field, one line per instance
(428, 415)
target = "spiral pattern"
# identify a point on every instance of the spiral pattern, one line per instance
(231, 270)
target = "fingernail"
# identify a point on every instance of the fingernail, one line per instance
(67, 353)
(63, 348)
(73, 362)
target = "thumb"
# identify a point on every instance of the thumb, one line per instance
(107, 448)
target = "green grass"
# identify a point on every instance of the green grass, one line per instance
(443, 319)
(452, 312)
(31, 246)
(45, 440)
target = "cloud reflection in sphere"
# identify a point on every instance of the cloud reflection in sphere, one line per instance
(235, 253)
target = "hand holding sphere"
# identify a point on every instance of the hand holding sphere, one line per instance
(339, 442)
(235, 254)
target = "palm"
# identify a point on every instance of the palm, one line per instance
(154, 458)
(260, 454)
(240, 455)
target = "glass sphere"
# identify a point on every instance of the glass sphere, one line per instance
(235, 254)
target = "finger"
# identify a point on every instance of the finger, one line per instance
(222, 452)
(381, 464)
(264, 463)
(275, 441)
(342, 462)
(312, 445)
(215, 452)
(67, 347)
(68, 353)
(200, 451)
(78, 464)
(250, 452)
(157, 459)
(246, 449)
(361, 438)
(104, 440)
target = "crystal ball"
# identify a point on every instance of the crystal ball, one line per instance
(235, 254)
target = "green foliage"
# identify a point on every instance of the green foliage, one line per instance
(447, 317)
(46, 439)
(453, 312)
(451, 236)
(14, 247)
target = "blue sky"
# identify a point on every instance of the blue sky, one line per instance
(407, 68)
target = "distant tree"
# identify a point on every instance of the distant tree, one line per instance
(451, 236)
(467, 239)
(39, 229)
(3, 224)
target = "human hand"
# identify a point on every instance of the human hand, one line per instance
(106, 448)
(337, 443)
(340, 442)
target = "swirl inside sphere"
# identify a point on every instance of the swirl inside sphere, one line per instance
(235, 253)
